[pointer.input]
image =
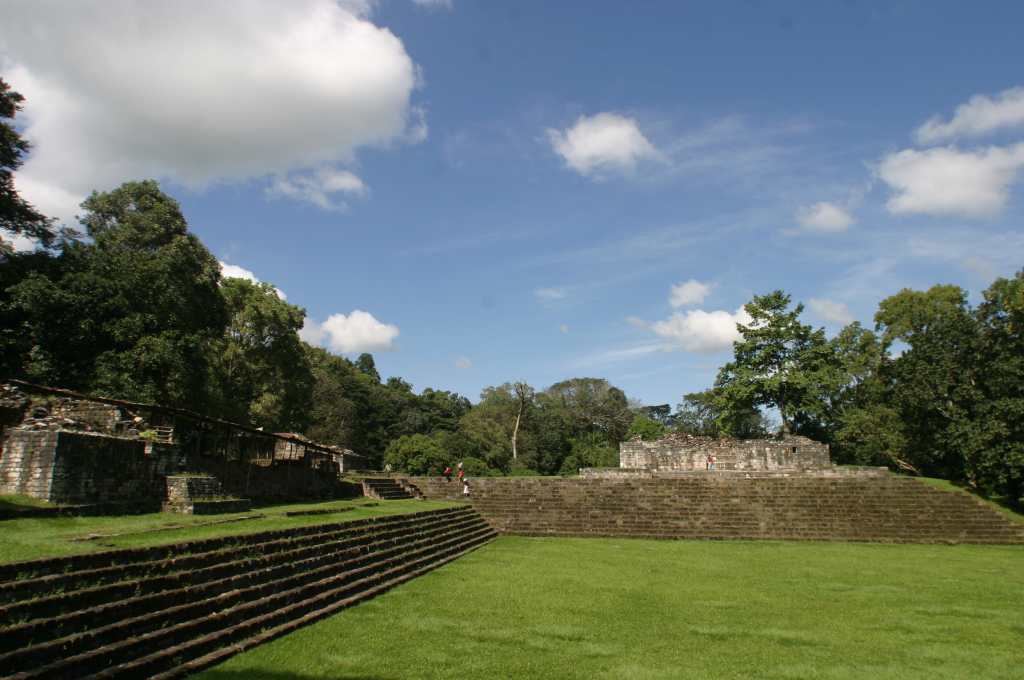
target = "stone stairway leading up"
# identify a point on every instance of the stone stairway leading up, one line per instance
(385, 489)
(169, 611)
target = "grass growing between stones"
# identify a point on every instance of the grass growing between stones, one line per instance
(619, 608)
(32, 538)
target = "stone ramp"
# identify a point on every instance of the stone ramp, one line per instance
(173, 610)
(884, 509)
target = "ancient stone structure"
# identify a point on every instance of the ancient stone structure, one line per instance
(70, 448)
(682, 452)
(71, 467)
(173, 610)
(200, 495)
(810, 506)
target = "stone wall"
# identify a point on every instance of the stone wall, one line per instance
(684, 452)
(82, 468)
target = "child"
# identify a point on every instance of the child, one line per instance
(465, 485)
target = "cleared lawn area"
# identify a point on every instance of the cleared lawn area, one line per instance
(27, 539)
(618, 608)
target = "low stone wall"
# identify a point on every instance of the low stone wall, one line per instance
(79, 467)
(682, 452)
(629, 473)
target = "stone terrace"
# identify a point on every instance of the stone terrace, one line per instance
(169, 611)
(887, 508)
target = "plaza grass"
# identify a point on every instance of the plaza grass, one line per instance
(32, 538)
(630, 609)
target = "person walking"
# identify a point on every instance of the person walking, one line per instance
(712, 460)
(707, 462)
(447, 473)
(465, 486)
(462, 473)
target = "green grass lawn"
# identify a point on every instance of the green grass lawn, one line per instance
(26, 539)
(622, 609)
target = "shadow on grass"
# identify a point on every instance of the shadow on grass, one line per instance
(221, 674)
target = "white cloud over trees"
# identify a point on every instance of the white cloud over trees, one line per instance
(199, 92)
(947, 181)
(824, 217)
(350, 333)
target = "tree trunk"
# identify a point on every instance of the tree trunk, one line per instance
(515, 431)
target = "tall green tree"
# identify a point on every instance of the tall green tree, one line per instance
(132, 313)
(931, 381)
(260, 371)
(17, 215)
(779, 363)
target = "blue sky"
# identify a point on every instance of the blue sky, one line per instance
(481, 192)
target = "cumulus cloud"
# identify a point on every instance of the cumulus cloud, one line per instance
(947, 181)
(699, 331)
(199, 92)
(351, 333)
(233, 271)
(605, 142)
(550, 293)
(319, 188)
(979, 116)
(463, 363)
(830, 310)
(691, 292)
(824, 218)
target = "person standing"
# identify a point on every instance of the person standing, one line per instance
(707, 462)
(462, 473)
(465, 486)
(447, 473)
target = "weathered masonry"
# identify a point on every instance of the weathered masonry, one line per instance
(74, 449)
(678, 453)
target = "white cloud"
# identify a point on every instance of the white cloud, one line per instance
(563, 328)
(233, 271)
(434, 4)
(946, 181)
(348, 334)
(198, 93)
(691, 292)
(830, 310)
(699, 331)
(463, 363)
(550, 293)
(979, 116)
(601, 143)
(824, 217)
(319, 188)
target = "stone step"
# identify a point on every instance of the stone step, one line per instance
(160, 633)
(195, 562)
(190, 604)
(94, 621)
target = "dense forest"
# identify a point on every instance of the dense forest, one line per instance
(133, 305)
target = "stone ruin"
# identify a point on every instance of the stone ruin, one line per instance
(114, 455)
(680, 453)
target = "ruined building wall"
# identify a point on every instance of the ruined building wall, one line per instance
(82, 468)
(685, 452)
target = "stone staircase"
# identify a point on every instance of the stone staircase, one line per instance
(385, 489)
(169, 611)
(886, 509)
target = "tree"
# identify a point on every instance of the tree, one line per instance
(16, 214)
(131, 314)
(524, 395)
(593, 405)
(991, 436)
(645, 428)
(259, 368)
(931, 383)
(778, 362)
